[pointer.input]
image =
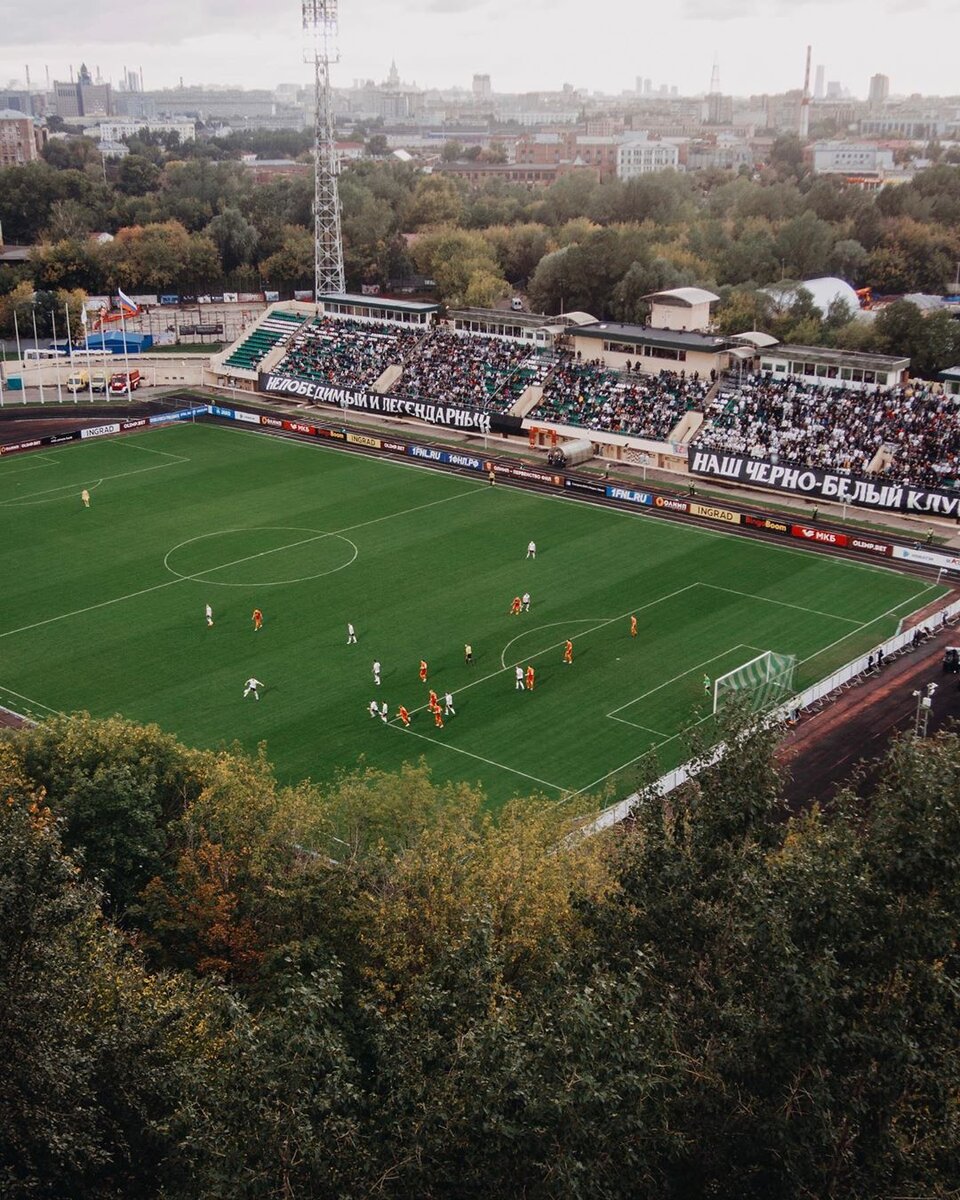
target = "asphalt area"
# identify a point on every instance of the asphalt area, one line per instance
(852, 730)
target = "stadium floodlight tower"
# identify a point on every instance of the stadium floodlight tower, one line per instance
(320, 33)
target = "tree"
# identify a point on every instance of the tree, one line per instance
(377, 146)
(804, 244)
(436, 200)
(518, 249)
(455, 259)
(114, 786)
(138, 175)
(95, 1051)
(235, 238)
(292, 265)
(899, 326)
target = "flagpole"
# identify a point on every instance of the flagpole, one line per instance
(66, 313)
(53, 320)
(36, 339)
(16, 334)
(126, 355)
(86, 347)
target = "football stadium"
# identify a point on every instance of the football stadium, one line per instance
(633, 628)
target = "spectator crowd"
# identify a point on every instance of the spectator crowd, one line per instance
(917, 426)
(348, 353)
(590, 395)
(471, 370)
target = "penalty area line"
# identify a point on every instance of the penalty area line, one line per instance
(479, 757)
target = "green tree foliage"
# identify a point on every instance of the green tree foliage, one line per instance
(718, 1000)
(461, 262)
(235, 238)
(436, 200)
(93, 1047)
(292, 264)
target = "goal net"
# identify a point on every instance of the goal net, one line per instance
(761, 683)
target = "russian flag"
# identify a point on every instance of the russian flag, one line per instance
(130, 307)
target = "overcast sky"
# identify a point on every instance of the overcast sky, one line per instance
(524, 45)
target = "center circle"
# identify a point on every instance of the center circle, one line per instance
(259, 556)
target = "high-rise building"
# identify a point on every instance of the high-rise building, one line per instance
(481, 86)
(818, 87)
(879, 90)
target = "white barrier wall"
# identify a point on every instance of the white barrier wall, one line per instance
(158, 370)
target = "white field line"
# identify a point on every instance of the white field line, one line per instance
(29, 699)
(479, 757)
(31, 497)
(769, 600)
(32, 462)
(236, 562)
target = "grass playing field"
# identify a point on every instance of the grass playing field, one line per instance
(103, 609)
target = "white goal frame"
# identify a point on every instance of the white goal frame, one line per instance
(768, 676)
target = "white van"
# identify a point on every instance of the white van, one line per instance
(77, 381)
(517, 304)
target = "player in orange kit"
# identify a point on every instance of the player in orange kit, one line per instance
(257, 620)
(403, 715)
(515, 607)
(568, 651)
(438, 717)
(633, 626)
(432, 700)
(423, 670)
(531, 677)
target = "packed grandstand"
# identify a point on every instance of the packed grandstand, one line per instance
(909, 433)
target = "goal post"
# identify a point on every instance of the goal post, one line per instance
(763, 682)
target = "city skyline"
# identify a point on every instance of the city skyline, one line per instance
(442, 43)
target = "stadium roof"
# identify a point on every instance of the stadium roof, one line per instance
(754, 337)
(683, 297)
(840, 358)
(675, 339)
(575, 318)
(950, 375)
(380, 302)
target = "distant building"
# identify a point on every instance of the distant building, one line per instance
(482, 87)
(116, 131)
(477, 173)
(66, 98)
(21, 141)
(851, 158)
(83, 98)
(879, 90)
(641, 156)
(719, 109)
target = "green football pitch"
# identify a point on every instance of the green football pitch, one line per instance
(103, 609)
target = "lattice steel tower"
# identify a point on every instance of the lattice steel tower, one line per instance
(320, 33)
